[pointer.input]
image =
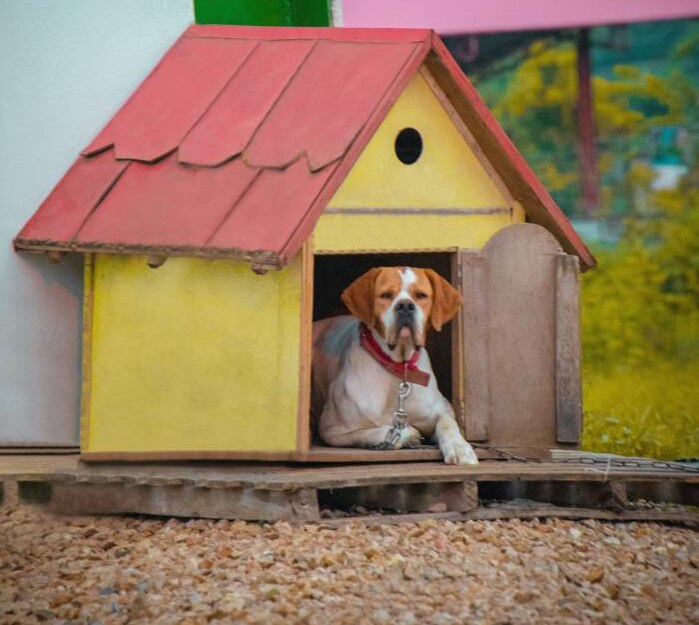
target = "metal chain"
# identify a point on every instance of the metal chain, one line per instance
(618, 462)
(400, 416)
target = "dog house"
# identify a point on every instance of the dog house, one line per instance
(250, 178)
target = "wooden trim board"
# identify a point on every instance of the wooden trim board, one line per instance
(474, 356)
(166, 456)
(569, 412)
(86, 355)
(303, 422)
(457, 349)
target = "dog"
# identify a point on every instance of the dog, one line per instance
(360, 360)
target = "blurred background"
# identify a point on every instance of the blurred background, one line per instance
(608, 117)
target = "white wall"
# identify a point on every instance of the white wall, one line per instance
(65, 67)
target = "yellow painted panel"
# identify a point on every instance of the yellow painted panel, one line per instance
(447, 175)
(195, 355)
(338, 233)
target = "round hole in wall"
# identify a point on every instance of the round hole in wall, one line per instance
(408, 145)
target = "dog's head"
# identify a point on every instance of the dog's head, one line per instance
(402, 303)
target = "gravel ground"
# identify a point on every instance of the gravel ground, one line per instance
(136, 570)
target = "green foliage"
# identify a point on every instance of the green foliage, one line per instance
(641, 336)
(640, 306)
(650, 411)
(538, 108)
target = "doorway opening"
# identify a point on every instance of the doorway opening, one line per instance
(334, 272)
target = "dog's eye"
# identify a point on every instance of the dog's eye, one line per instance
(421, 295)
(386, 295)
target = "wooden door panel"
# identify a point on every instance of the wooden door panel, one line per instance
(521, 345)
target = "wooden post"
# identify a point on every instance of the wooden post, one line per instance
(586, 127)
(568, 383)
(475, 345)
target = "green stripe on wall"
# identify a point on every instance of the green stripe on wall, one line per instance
(263, 12)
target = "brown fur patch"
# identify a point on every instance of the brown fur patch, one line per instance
(446, 300)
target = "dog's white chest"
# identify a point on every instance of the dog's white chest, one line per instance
(374, 391)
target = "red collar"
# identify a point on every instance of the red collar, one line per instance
(409, 368)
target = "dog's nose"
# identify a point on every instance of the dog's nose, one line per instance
(405, 307)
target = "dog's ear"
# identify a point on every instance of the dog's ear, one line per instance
(445, 300)
(359, 297)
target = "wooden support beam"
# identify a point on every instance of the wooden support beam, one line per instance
(581, 494)
(9, 493)
(666, 491)
(185, 501)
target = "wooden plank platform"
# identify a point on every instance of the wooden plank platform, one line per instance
(274, 491)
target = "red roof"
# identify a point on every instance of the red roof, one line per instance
(236, 141)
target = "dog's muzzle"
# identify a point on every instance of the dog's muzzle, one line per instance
(404, 319)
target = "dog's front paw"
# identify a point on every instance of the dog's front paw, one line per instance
(409, 437)
(458, 451)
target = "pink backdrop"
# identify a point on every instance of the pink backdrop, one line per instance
(470, 16)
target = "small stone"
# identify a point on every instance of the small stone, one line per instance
(595, 575)
(43, 614)
(224, 551)
(272, 593)
(410, 571)
(60, 599)
(524, 596)
(109, 590)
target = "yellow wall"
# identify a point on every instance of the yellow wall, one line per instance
(195, 355)
(448, 175)
(383, 232)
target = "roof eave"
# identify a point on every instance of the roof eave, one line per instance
(264, 259)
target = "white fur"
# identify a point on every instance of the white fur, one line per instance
(408, 277)
(357, 396)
